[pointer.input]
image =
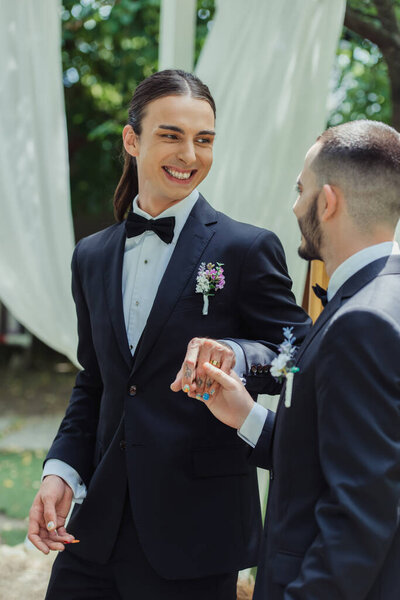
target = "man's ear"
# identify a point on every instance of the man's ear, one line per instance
(330, 198)
(130, 140)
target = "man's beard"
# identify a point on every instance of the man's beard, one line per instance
(310, 227)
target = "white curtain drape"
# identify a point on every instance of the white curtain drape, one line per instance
(36, 234)
(268, 67)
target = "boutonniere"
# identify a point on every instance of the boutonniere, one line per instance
(282, 367)
(210, 279)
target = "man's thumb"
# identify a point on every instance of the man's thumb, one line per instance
(222, 378)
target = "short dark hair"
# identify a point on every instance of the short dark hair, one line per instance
(170, 82)
(363, 159)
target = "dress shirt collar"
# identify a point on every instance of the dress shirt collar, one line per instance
(180, 211)
(357, 261)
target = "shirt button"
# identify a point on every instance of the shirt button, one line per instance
(146, 261)
(122, 445)
(137, 302)
(132, 390)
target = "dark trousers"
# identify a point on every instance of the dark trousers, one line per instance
(129, 576)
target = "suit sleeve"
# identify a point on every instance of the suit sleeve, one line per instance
(74, 443)
(266, 304)
(358, 404)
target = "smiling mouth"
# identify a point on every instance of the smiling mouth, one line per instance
(179, 176)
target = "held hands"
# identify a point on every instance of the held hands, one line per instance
(47, 516)
(192, 377)
(232, 404)
(219, 388)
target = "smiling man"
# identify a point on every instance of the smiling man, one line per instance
(167, 506)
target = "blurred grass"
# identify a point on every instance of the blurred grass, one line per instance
(13, 537)
(20, 474)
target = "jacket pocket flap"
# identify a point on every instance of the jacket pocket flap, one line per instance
(220, 461)
(286, 567)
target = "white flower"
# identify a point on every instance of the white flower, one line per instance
(203, 285)
(278, 364)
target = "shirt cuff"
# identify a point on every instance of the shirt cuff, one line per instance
(253, 425)
(53, 466)
(240, 364)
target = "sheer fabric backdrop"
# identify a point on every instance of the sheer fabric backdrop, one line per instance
(36, 234)
(268, 66)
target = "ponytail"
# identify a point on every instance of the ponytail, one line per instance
(127, 188)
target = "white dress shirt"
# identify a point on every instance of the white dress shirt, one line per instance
(252, 427)
(146, 258)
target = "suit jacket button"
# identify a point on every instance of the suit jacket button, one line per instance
(259, 369)
(271, 474)
(132, 390)
(122, 445)
(253, 369)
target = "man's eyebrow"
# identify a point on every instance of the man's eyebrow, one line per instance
(179, 130)
(206, 132)
(171, 128)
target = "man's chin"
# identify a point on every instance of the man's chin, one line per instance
(308, 254)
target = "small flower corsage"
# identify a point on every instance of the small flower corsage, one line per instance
(210, 278)
(282, 367)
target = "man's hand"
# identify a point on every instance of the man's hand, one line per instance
(47, 516)
(192, 377)
(232, 403)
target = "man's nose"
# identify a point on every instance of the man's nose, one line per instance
(187, 153)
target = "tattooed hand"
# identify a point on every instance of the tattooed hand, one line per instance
(192, 377)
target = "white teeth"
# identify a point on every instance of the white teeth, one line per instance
(178, 174)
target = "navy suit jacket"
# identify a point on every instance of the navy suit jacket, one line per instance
(193, 494)
(332, 524)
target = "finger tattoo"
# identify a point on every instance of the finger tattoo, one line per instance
(199, 381)
(188, 372)
(209, 383)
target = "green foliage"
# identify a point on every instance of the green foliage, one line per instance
(108, 47)
(20, 474)
(12, 537)
(362, 85)
(361, 82)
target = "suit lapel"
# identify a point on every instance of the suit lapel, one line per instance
(193, 240)
(113, 255)
(382, 266)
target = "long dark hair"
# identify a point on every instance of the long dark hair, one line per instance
(171, 82)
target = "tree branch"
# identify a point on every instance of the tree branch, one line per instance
(366, 29)
(387, 16)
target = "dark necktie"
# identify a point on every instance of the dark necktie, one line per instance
(321, 293)
(164, 227)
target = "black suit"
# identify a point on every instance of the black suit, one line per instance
(332, 525)
(193, 495)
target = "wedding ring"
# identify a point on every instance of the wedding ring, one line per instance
(216, 363)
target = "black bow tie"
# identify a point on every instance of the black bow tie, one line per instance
(321, 293)
(164, 227)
